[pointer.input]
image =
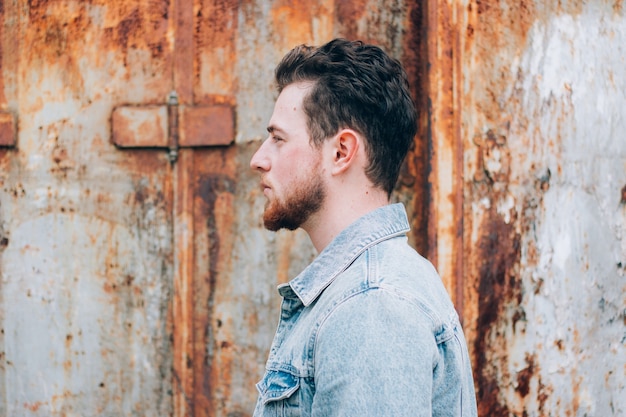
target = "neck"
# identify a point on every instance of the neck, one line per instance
(339, 211)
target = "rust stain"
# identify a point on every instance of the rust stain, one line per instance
(207, 126)
(525, 375)
(211, 189)
(35, 406)
(137, 25)
(493, 27)
(135, 126)
(62, 162)
(55, 40)
(495, 161)
(292, 20)
(413, 184)
(3, 98)
(497, 257)
(17, 190)
(623, 196)
(214, 350)
(214, 60)
(444, 148)
(140, 161)
(494, 262)
(348, 14)
(8, 129)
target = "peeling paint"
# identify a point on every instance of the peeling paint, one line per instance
(547, 193)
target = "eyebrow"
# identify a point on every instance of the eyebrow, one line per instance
(272, 129)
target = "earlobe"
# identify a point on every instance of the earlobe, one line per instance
(346, 145)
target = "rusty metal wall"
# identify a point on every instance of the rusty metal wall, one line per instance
(86, 260)
(542, 98)
(137, 278)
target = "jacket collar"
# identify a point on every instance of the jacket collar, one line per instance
(372, 228)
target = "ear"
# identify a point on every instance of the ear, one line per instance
(345, 147)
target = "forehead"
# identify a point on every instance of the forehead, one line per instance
(288, 112)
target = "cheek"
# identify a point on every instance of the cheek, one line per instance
(291, 165)
(296, 165)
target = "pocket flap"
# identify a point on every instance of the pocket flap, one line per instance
(277, 385)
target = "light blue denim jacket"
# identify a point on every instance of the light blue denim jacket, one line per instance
(368, 329)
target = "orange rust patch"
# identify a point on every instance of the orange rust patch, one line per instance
(8, 131)
(137, 25)
(293, 20)
(413, 185)
(525, 375)
(495, 29)
(34, 406)
(207, 126)
(348, 13)
(139, 126)
(214, 173)
(497, 258)
(214, 40)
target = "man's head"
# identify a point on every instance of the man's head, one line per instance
(341, 127)
(356, 86)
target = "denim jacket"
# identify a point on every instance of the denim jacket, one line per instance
(368, 329)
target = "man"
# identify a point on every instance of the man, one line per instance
(367, 329)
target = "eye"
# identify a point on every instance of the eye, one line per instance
(277, 138)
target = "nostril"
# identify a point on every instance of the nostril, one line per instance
(259, 163)
(254, 162)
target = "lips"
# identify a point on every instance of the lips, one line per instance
(265, 187)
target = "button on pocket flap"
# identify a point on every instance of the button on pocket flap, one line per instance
(277, 385)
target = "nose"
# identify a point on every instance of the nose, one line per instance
(260, 161)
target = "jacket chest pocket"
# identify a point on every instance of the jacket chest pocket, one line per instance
(278, 395)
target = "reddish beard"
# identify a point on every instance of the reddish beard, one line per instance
(297, 206)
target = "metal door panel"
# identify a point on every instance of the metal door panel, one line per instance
(545, 166)
(87, 265)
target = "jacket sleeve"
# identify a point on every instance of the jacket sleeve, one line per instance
(374, 357)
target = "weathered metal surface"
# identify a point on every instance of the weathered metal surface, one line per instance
(207, 126)
(7, 129)
(134, 286)
(445, 159)
(86, 261)
(542, 98)
(141, 127)
(182, 303)
(134, 126)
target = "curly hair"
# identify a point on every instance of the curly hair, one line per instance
(356, 86)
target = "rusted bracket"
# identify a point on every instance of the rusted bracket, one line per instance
(172, 126)
(8, 129)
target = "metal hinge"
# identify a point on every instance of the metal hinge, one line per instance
(172, 117)
(172, 126)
